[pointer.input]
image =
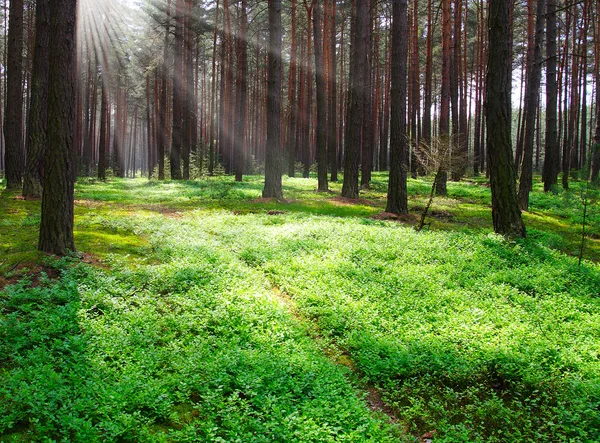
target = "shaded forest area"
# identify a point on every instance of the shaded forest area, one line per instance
(186, 83)
(300, 221)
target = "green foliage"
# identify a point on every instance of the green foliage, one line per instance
(179, 335)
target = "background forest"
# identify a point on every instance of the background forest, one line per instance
(299, 221)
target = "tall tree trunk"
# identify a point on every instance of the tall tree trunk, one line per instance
(13, 124)
(321, 106)
(103, 148)
(595, 160)
(367, 119)
(397, 192)
(533, 92)
(506, 213)
(163, 122)
(428, 77)
(551, 166)
(56, 227)
(178, 94)
(242, 82)
(292, 101)
(213, 95)
(38, 110)
(332, 141)
(444, 123)
(356, 98)
(273, 165)
(188, 90)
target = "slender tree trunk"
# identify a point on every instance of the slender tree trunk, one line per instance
(595, 160)
(242, 82)
(428, 77)
(292, 102)
(273, 166)
(321, 106)
(551, 166)
(533, 91)
(13, 124)
(56, 227)
(397, 191)
(332, 141)
(506, 213)
(356, 100)
(213, 100)
(163, 122)
(367, 118)
(38, 110)
(444, 123)
(178, 94)
(149, 128)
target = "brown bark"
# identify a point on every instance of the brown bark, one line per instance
(595, 160)
(506, 214)
(551, 166)
(178, 93)
(397, 191)
(332, 140)
(13, 123)
(242, 81)
(356, 98)
(38, 109)
(273, 165)
(321, 106)
(533, 90)
(444, 122)
(56, 227)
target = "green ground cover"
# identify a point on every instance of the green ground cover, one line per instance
(200, 312)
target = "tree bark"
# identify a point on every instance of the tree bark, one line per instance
(273, 164)
(595, 160)
(397, 202)
(332, 141)
(533, 92)
(356, 100)
(38, 109)
(551, 166)
(444, 123)
(56, 228)
(13, 123)
(321, 107)
(506, 213)
(242, 81)
(178, 94)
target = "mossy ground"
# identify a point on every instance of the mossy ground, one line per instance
(201, 312)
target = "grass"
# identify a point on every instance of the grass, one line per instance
(201, 312)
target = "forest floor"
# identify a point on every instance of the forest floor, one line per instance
(198, 311)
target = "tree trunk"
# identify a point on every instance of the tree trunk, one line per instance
(397, 192)
(444, 123)
(38, 109)
(551, 166)
(533, 92)
(356, 100)
(178, 94)
(242, 81)
(505, 205)
(367, 119)
(292, 102)
(595, 160)
(13, 124)
(332, 141)
(321, 107)
(56, 228)
(273, 163)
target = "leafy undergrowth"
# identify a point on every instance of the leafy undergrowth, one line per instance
(178, 336)
(193, 349)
